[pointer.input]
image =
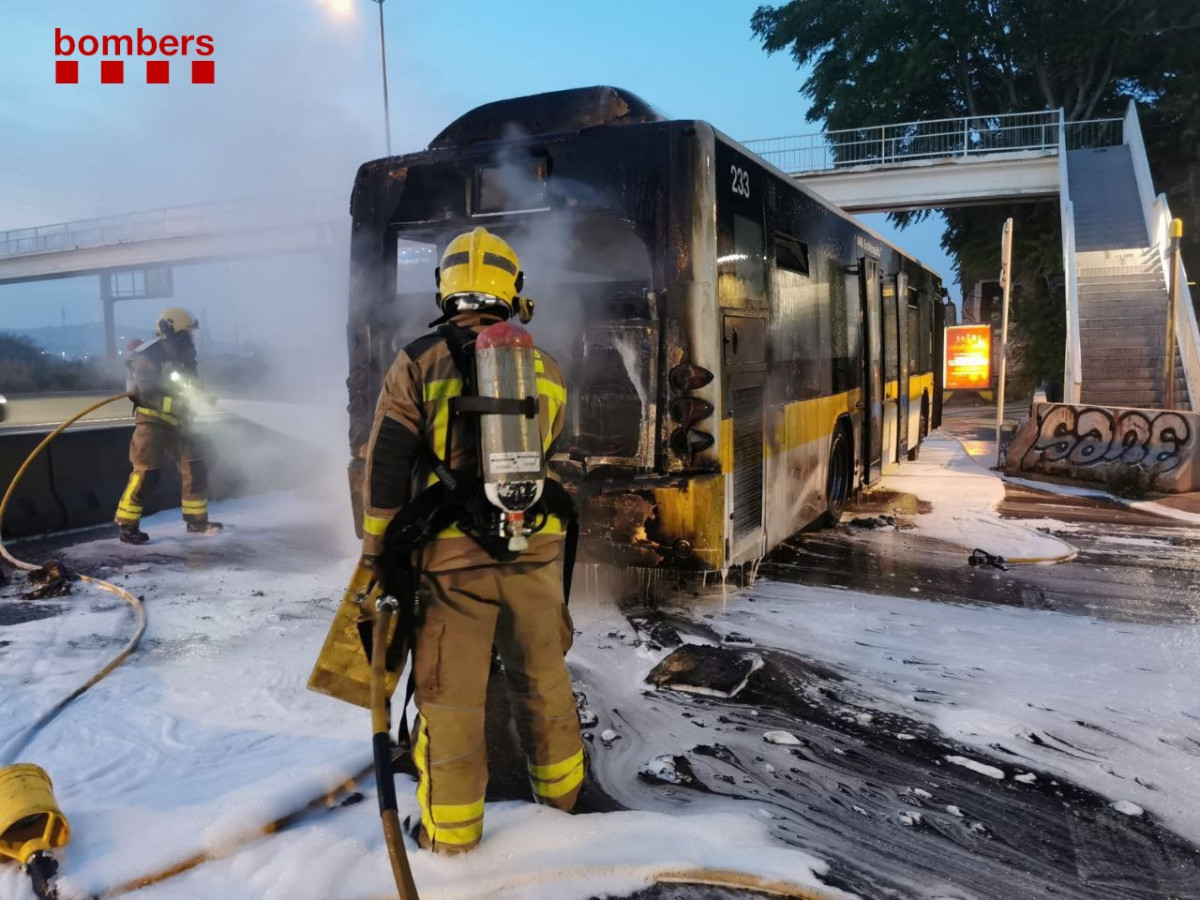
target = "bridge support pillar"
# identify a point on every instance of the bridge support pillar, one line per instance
(110, 326)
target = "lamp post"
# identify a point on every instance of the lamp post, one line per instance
(387, 119)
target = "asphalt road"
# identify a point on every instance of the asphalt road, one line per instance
(837, 791)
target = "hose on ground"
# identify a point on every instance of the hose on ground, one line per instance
(18, 744)
(381, 727)
(995, 561)
(322, 801)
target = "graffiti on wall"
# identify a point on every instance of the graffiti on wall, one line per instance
(1156, 441)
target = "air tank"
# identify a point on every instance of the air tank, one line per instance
(510, 442)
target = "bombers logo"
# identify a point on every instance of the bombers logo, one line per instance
(141, 44)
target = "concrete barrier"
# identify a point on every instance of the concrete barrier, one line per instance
(78, 479)
(1110, 444)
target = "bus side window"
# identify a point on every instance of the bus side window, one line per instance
(925, 357)
(847, 330)
(741, 263)
(803, 314)
(914, 337)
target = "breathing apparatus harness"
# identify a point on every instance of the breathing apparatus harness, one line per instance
(458, 498)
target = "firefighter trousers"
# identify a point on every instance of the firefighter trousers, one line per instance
(518, 609)
(151, 441)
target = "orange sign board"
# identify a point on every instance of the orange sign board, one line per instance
(968, 358)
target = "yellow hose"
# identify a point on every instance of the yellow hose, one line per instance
(381, 725)
(321, 801)
(1039, 560)
(138, 610)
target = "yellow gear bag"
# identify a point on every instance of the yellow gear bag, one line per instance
(342, 670)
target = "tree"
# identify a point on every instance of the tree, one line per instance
(875, 62)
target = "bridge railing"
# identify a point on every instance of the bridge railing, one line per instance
(1158, 218)
(1073, 361)
(177, 221)
(1032, 132)
(1093, 134)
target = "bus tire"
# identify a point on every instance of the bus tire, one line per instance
(922, 429)
(840, 474)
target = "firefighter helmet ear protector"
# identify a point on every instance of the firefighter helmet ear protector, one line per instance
(175, 319)
(479, 269)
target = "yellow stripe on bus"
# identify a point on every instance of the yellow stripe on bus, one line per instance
(810, 420)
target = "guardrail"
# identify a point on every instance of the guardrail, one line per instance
(1031, 132)
(1157, 214)
(904, 141)
(1073, 364)
(178, 221)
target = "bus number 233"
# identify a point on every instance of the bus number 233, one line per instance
(741, 181)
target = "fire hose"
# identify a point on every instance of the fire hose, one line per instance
(33, 805)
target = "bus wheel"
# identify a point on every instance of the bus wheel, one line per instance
(837, 488)
(922, 430)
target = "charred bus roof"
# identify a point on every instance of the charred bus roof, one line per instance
(555, 112)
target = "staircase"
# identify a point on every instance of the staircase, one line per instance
(1122, 293)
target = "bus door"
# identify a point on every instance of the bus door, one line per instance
(891, 371)
(742, 294)
(872, 428)
(902, 317)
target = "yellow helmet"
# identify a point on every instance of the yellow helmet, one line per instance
(175, 319)
(482, 265)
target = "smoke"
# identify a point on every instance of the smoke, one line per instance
(295, 108)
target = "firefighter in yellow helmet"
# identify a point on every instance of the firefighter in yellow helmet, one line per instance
(162, 379)
(474, 594)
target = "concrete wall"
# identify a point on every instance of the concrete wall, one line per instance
(1103, 443)
(78, 479)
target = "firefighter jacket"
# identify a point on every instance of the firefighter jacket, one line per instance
(414, 410)
(158, 376)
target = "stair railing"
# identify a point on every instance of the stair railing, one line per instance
(1072, 369)
(1157, 214)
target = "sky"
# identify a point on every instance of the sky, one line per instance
(297, 101)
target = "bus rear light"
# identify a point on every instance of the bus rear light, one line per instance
(689, 410)
(688, 441)
(686, 377)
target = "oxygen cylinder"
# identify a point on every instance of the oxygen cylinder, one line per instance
(510, 443)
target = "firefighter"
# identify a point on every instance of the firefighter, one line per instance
(163, 382)
(473, 596)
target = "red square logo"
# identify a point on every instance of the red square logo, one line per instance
(112, 71)
(158, 71)
(203, 71)
(66, 71)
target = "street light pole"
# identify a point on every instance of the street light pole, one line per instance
(387, 118)
(1006, 283)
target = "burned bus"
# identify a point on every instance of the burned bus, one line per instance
(740, 355)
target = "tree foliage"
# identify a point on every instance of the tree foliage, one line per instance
(879, 61)
(875, 62)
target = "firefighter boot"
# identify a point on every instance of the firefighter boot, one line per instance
(131, 534)
(204, 526)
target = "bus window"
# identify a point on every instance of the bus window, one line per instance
(415, 262)
(791, 254)
(846, 309)
(803, 336)
(891, 337)
(741, 263)
(912, 314)
(925, 344)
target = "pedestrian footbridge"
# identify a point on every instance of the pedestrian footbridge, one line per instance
(1117, 255)
(300, 222)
